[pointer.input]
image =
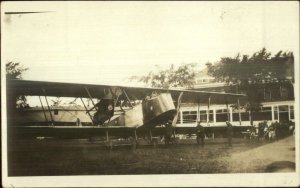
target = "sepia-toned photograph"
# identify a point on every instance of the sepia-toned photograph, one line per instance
(144, 93)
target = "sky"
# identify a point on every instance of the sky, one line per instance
(107, 42)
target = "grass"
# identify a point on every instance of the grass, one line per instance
(79, 157)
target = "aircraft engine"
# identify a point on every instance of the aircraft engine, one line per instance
(158, 109)
(105, 110)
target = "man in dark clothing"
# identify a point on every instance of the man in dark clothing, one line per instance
(276, 126)
(229, 133)
(200, 134)
(168, 133)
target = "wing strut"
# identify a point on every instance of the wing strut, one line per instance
(127, 98)
(177, 110)
(43, 109)
(52, 121)
(116, 100)
(87, 111)
(89, 94)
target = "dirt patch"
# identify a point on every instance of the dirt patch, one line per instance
(257, 159)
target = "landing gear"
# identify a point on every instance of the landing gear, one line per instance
(154, 142)
(170, 138)
(134, 143)
(108, 143)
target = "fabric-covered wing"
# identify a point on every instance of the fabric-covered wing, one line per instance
(41, 88)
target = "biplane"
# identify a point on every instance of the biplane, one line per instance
(123, 112)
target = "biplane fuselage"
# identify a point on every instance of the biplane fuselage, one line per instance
(155, 110)
(155, 107)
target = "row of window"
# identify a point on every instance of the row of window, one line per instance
(205, 80)
(276, 93)
(281, 113)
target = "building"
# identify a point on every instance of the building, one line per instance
(278, 105)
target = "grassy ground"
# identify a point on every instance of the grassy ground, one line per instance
(260, 158)
(80, 157)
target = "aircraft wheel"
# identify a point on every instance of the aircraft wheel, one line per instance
(134, 143)
(109, 145)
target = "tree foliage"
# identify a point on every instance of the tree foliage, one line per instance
(15, 71)
(182, 76)
(248, 73)
(260, 68)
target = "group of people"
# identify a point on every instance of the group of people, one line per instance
(201, 133)
(267, 130)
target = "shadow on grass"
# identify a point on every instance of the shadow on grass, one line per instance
(63, 157)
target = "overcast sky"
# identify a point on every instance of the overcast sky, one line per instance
(106, 42)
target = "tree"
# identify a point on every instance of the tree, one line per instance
(15, 71)
(183, 76)
(248, 74)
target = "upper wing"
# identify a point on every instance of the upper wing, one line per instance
(41, 88)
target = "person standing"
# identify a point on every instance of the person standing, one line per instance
(200, 134)
(168, 133)
(229, 133)
(78, 122)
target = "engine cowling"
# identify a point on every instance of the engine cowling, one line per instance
(158, 110)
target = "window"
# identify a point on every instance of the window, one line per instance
(265, 113)
(211, 116)
(283, 108)
(276, 113)
(267, 95)
(221, 115)
(189, 116)
(244, 115)
(55, 112)
(284, 93)
(292, 112)
(199, 81)
(266, 109)
(203, 116)
(284, 113)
